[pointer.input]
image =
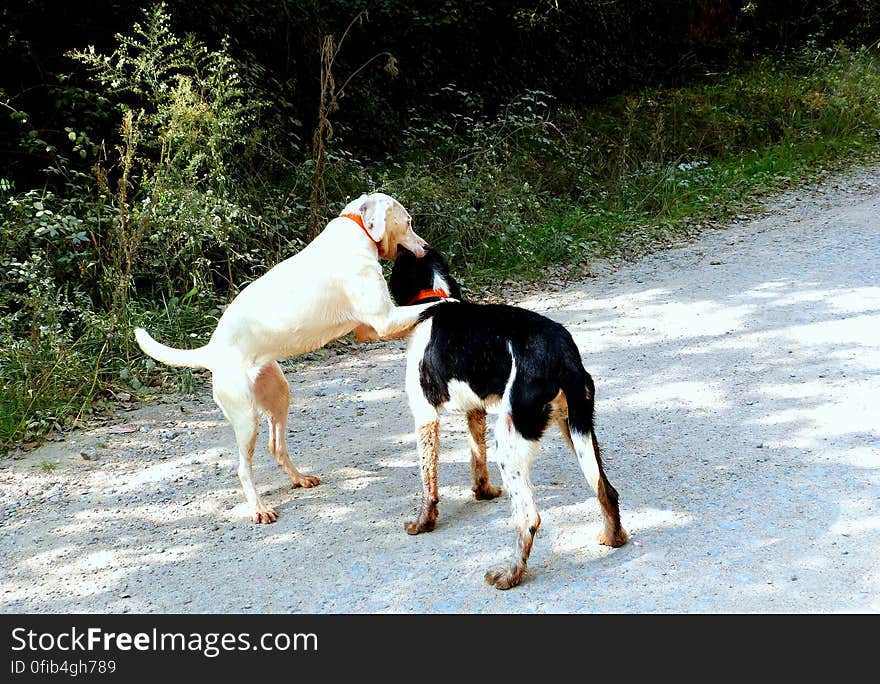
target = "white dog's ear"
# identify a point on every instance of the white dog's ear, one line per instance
(373, 212)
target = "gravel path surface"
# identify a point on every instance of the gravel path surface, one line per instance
(738, 404)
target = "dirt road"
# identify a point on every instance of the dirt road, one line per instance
(738, 403)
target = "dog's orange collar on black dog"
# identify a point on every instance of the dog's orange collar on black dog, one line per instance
(424, 294)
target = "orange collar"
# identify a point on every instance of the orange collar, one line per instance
(425, 294)
(360, 221)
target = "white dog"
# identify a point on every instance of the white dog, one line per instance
(333, 286)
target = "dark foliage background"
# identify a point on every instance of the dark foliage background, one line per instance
(576, 50)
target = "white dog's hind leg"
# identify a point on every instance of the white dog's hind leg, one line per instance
(272, 394)
(233, 394)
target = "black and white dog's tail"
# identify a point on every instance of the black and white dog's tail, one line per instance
(580, 432)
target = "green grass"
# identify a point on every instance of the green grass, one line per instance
(578, 233)
(640, 171)
(69, 371)
(716, 192)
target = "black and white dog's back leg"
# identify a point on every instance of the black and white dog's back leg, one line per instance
(429, 451)
(427, 423)
(579, 432)
(587, 450)
(476, 420)
(514, 454)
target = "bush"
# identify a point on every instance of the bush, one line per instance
(164, 217)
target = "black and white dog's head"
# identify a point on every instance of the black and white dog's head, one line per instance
(422, 279)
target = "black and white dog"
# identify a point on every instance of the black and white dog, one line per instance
(467, 357)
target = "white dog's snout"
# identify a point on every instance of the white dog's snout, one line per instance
(415, 244)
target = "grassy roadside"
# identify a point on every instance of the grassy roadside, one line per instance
(644, 168)
(709, 195)
(534, 188)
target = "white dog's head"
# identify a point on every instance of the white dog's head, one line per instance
(388, 223)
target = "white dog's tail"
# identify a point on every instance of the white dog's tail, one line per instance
(194, 358)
